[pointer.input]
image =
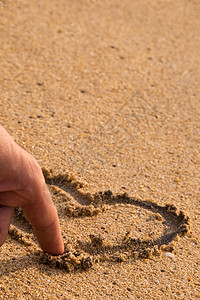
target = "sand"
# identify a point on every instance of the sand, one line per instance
(105, 95)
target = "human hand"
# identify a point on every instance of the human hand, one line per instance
(22, 184)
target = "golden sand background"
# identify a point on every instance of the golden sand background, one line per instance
(107, 91)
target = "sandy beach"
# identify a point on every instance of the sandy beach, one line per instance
(105, 95)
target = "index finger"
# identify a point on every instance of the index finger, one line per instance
(43, 216)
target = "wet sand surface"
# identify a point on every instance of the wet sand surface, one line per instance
(105, 95)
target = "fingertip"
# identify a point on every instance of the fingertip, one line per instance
(44, 219)
(54, 249)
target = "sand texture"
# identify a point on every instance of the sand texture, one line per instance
(105, 95)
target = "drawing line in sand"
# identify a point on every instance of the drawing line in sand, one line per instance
(72, 202)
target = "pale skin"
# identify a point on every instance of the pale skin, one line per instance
(22, 184)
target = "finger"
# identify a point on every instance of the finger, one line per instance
(44, 218)
(6, 214)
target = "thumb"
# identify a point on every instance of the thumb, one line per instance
(6, 214)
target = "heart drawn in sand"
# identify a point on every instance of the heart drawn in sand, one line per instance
(107, 226)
